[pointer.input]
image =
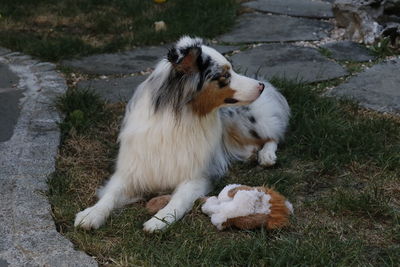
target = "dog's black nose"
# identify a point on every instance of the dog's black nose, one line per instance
(261, 87)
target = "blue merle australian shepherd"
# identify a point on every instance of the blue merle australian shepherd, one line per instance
(182, 127)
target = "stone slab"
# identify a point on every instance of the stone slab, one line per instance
(4, 51)
(376, 88)
(7, 77)
(300, 8)
(350, 51)
(113, 90)
(9, 111)
(287, 61)
(128, 62)
(119, 63)
(256, 27)
(224, 49)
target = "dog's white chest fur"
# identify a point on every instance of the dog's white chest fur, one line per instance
(158, 153)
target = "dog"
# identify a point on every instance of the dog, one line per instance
(182, 127)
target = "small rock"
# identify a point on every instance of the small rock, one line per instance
(160, 26)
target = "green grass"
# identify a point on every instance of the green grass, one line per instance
(383, 48)
(325, 51)
(54, 30)
(339, 167)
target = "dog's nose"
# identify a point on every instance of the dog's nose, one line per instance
(261, 87)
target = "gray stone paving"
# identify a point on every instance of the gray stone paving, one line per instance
(126, 62)
(4, 51)
(274, 28)
(350, 51)
(287, 61)
(9, 110)
(224, 49)
(300, 8)
(9, 98)
(377, 88)
(27, 158)
(119, 63)
(7, 78)
(114, 90)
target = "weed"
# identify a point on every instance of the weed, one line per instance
(325, 52)
(82, 109)
(382, 48)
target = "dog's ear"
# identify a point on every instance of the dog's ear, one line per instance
(185, 60)
(186, 55)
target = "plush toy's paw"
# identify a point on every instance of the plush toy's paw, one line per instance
(154, 224)
(90, 218)
(210, 206)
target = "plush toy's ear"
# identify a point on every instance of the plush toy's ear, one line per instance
(185, 55)
(232, 192)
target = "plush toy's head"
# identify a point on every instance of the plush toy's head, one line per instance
(248, 207)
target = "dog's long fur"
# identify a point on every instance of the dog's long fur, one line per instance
(182, 127)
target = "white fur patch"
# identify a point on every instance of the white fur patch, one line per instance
(244, 203)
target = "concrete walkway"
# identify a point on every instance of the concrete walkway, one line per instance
(281, 38)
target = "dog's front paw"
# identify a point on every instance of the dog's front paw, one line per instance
(154, 224)
(90, 218)
(267, 157)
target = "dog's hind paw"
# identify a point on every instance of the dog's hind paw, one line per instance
(267, 158)
(90, 218)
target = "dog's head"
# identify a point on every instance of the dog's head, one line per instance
(203, 79)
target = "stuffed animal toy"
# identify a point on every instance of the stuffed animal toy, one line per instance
(248, 207)
(241, 206)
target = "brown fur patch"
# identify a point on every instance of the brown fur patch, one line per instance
(247, 222)
(232, 192)
(189, 62)
(210, 98)
(236, 138)
(157, 203)
(278, 217)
